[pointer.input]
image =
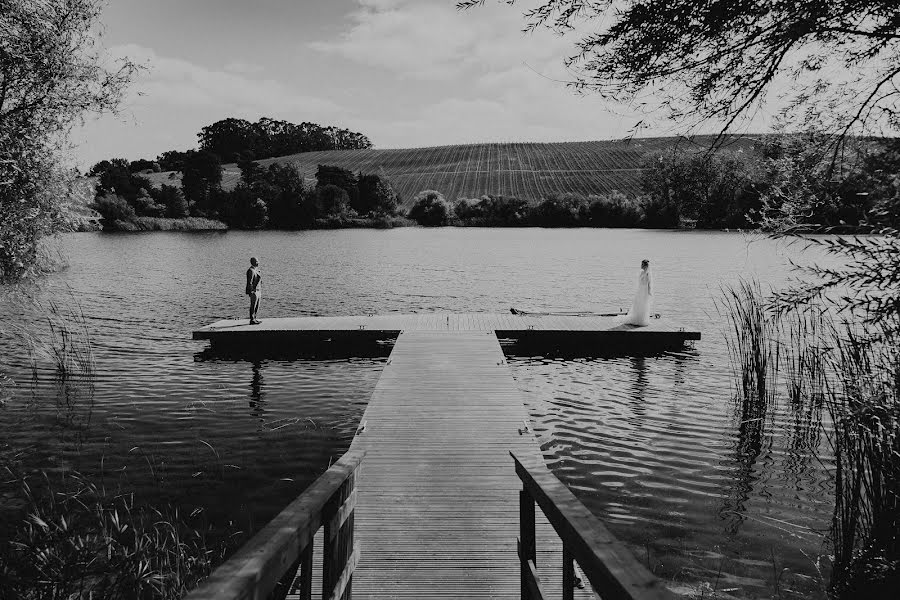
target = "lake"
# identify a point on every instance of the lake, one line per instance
(653, 445)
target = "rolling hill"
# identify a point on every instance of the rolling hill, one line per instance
(529, 171)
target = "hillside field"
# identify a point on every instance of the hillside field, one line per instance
(530, 171)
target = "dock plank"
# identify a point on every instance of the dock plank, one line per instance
(437, 514)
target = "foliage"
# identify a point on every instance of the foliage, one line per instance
(244, 208)
(342, 178)
(376, 195)
(328, 201)
(172, 198)
(51, 74)
(615, 210)
(113, 208)
(171, 160)
(560, 210)
(79, 540)
(201, 178)
(430, 209)
(712, 190)
(716, 60)
(492, 211)
(234, 139)
(864, 405)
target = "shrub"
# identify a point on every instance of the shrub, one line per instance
(112, 208)
(661, 212)
(328, 201)
(145, 206)
(615, 210)
(430, 209)
(496, 211)
(375, 196)
(561, 210)
(173, 200)
(337, 176)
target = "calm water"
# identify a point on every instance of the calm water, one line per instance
(653, 445)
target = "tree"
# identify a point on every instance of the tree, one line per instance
(717, 60)
(375, 195)
(329, 201)
(286, 204)
(171, 160)
(342, 178)
(201, 175)
(51, 75)
(228, 138)
(430, 209)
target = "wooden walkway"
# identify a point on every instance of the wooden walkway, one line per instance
(437, 514)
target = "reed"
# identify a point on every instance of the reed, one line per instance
(79, 541)
(61, 337)
(864, 404)
(752, 342)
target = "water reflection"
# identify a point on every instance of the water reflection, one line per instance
(256, 399)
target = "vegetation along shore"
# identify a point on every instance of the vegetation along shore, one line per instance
(702, 182)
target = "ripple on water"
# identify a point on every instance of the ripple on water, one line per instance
(655, 449)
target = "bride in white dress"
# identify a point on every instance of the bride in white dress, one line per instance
(640, 310)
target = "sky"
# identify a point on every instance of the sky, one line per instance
(406, 73)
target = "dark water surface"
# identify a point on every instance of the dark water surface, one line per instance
(653, 445)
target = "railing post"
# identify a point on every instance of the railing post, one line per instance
(568, 573)
(306, 566)
(337, 543)
(527, 543)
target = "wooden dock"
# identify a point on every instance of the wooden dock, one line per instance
(573, 330)
(437, 515)
(428, 502)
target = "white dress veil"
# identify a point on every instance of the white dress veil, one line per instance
(640, 309)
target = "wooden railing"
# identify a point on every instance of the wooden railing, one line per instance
(610, 567)
(267, 565)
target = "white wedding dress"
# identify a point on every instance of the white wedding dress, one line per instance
(640, 310)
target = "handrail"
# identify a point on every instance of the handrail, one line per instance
(609, 565)
(267, 564)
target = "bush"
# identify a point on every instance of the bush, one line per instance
(615, 210)
(112, 208)
(430, 209)
(329, 201)
(145, 206)
(376, 196)
(561, 210)
(492, 211)
(173, 200)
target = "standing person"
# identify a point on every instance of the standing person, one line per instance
(640, 309)
(252, 290)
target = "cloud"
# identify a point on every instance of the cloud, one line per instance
(244, 68)
(431, 40)
(174, 98)
(180, 83)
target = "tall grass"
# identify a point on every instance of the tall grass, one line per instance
(78, 540)
(60, 338)
(752, 342)
(864, 404)
(855, 373)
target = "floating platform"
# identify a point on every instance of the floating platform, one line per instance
(574, 331)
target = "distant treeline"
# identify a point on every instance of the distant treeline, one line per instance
(790, 175)
(232, 140)
(273, 197)
(679, 189)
